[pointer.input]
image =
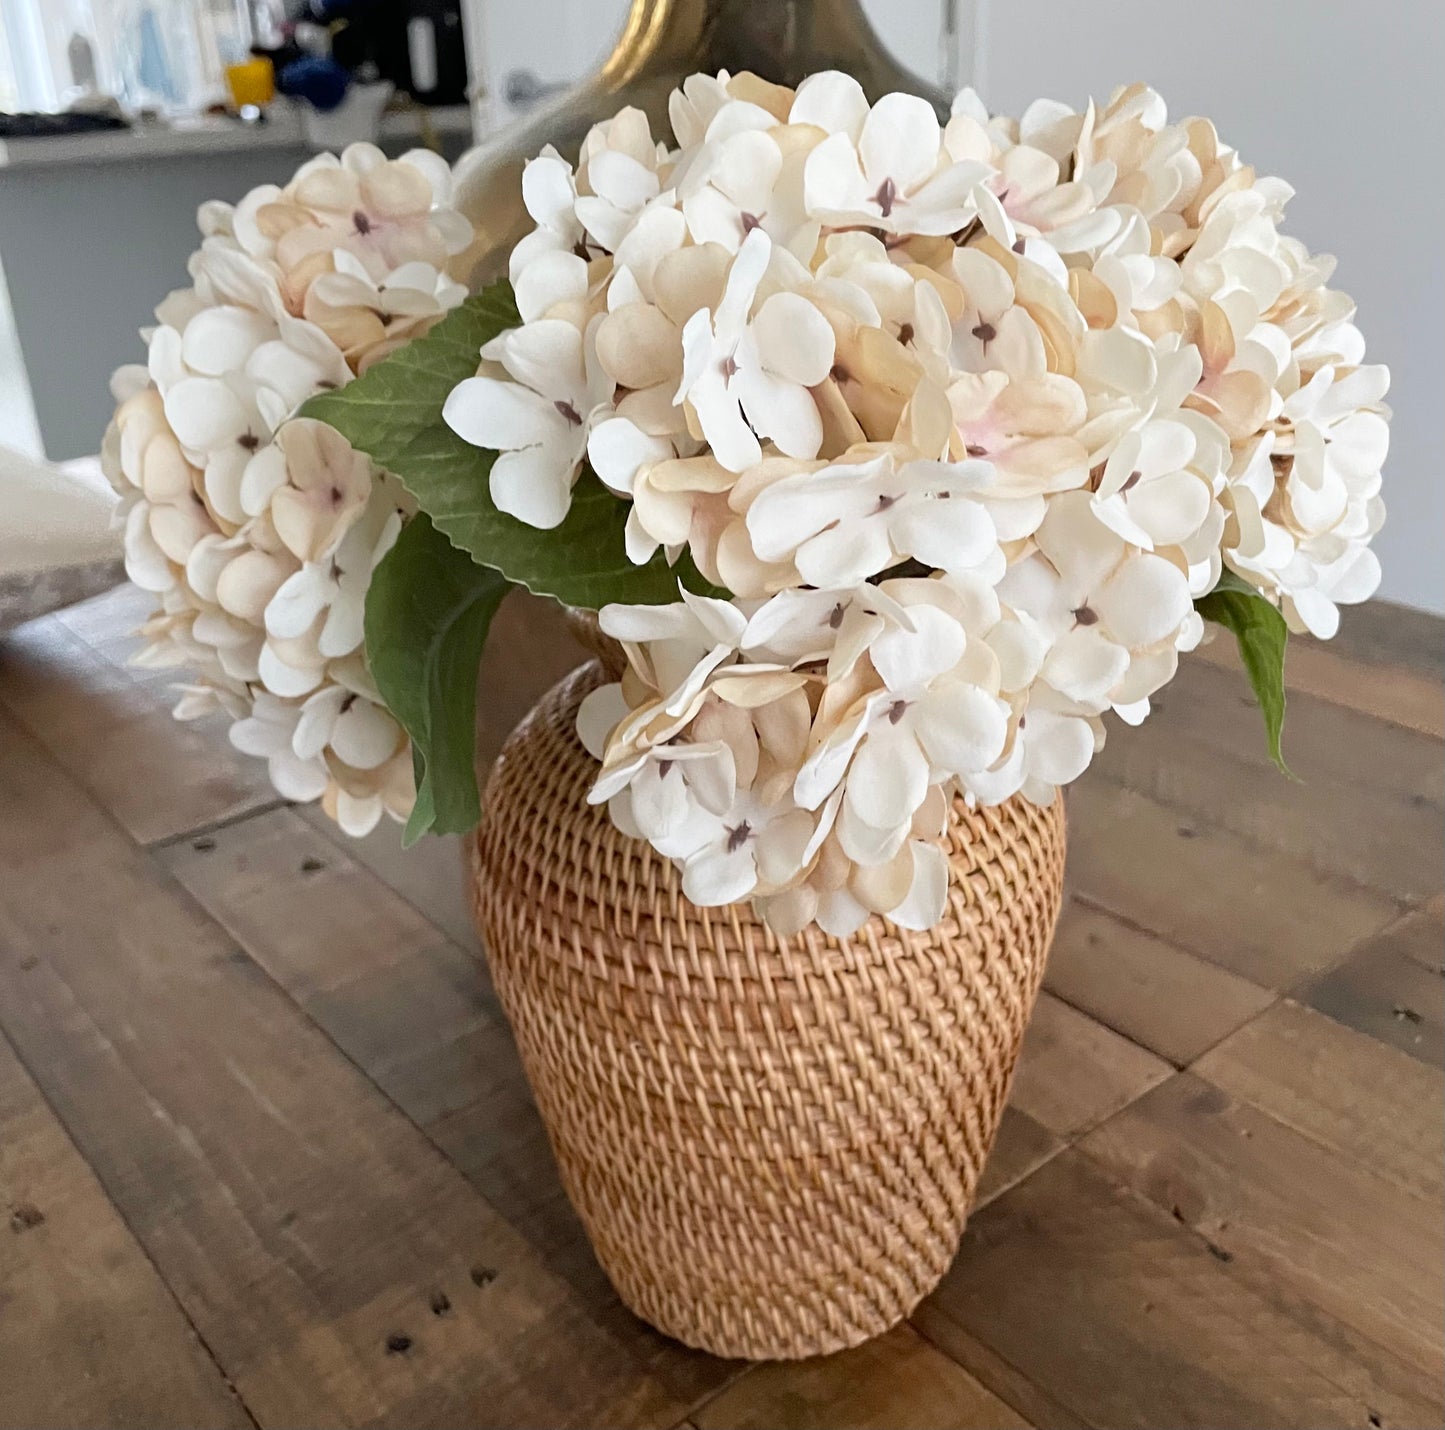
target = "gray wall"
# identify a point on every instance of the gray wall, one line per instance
(89, 250)
(1345, 100)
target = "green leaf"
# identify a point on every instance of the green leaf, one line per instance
(394, 414)
(1261, 634)
(427, 615)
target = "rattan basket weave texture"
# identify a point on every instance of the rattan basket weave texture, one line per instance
(773, 1145)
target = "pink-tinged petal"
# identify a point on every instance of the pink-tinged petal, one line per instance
(501, 416)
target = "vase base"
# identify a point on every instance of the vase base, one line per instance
(772, 1143)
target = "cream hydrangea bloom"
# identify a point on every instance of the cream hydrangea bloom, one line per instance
(964, 415)
(257, 531)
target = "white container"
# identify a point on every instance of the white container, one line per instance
(356, 120)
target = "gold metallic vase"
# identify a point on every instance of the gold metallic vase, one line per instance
(662, 43)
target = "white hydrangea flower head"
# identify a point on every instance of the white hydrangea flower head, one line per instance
(258, 531)
(963, 415)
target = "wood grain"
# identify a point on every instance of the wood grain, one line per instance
(1281, 1204)
(898, 1379)
(89, 1334)
(1021, 1146)
(1265, 915)
(1385, 990)
(1125, 1318)
(338, 1268)
(416, 1014)
(158, 777)
(274, 1161)
(1378, 1108)
(1162, 997)
(1074, 1072)
(1396, 693)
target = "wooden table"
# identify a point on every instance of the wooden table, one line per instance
(267, 1157)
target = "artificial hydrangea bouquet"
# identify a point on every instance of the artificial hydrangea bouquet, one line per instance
(896, 455)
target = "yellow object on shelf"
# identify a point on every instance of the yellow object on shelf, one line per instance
(253, 81)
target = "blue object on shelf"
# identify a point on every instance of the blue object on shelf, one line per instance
(322, 83)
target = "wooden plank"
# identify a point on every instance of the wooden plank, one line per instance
(1021, 1147)
(1074, 1072)
(1366, 806)
(338, 1268)
(1289, 1209)
(417, 1015)
(1382, 1110)
(1162, 997)
(1384, 633)
(1420, 936)
(1011, 1384)
(1268, 917)
(1382, 990)
(898, 1379)
(89, 1335)
(158, 777)
(1387, 692)
(1123, 1317)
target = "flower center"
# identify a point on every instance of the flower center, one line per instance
(896, 711)
(361, 223)
(738, 836)
(248, 441)
(985, 333)
(835, 616)
(885, 501)
(1133, 481)
(750, 222)
(886, 197)
(1086, 615)
(569, 412)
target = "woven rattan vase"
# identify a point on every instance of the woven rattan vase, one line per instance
(773, 1146)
